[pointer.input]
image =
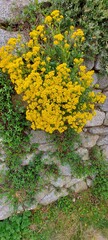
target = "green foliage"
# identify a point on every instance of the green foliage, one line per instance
(12, 127)
(67, 143)
(91, 16)
(25, 177)
(12, 118)
(15, 227)
(100, 185)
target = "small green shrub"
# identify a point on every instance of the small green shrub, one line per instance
(15, 227)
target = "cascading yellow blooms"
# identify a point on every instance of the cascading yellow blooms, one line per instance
(48, 71)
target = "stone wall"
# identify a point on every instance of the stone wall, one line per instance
(95, 133)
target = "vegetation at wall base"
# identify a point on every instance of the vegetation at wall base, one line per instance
(64, 219)
(100, 184)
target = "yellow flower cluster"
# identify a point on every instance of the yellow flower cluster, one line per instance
(55, 16)
(78, 33)
(52, 80)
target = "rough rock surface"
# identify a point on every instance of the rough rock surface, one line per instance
(99, 130)
(89, 64)
(97, 119)
(6, 35)
(40, 137)
(105, 151)
(106, 120)
(104, 107)
(83, 152)
(103, 141)
(95, 77)
(97, 64)
(65, 170)
(6, 208)
(10, 8)
(88, 140)
(46, 197)
(80, 186)
(103, 82)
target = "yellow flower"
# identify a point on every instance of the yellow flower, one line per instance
(48, 59)
(59, 37)
(48, 19)
(66, 45)
(56, 42)
(71, 27)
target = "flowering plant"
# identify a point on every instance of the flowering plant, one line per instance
(48, 71)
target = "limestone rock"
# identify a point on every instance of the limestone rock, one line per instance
(40, 137)
(83, 152)
(105, 151)
(52, 196)
(102, 141)
(106, 120)
(89, 182)
(97, 120)
(99, 130)
(95, 77)
(40, 195)
(28, 159)
(73, 182)
(6, 208)
(65, 170)
(47, 147)
(47, 159)
(10, 8)
(80, 186)
(97, 65)
(104, 107)
(61, 181)
(89, 64)
(103, 82)
(6, 35)
(88, 140)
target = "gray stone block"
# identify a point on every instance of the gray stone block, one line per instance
(103, 82)
(104, 106)
(47, 159)
(6, 208)
(105, 151)
(6, 35)
(99, 130)
(80, 186)
(88, 140)
(40, 137)
(61, 181)
(106, 120)
(97, 120)
(73, 182)
(10, 8)
(97, 65)
(52, 196)
(83, 152)
(65, 170)
(89, 64)
(102, 141)
(47, 147)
